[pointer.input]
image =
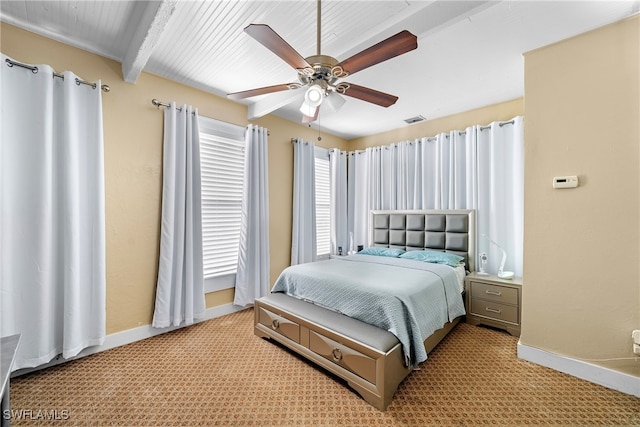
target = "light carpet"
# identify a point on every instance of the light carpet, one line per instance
(218, 373)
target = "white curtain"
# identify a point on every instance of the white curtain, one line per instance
(339, 217)
(500, 150)
(52, 221)
(360, 189)
(480, 168)
(180, 286)
(303, 233)
(252, 278)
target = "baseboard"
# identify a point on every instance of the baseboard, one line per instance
(609, 378)
(131, 335)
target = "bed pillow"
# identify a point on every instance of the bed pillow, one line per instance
(380, 251)
(435, 257)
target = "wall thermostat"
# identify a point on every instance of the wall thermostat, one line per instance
(565, 181)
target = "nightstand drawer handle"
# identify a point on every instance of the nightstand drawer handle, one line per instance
(496, 293)
(493, 310)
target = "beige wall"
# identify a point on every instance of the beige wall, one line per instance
(133, 165)
(581, 293)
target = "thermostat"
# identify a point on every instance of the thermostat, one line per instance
(565, 181)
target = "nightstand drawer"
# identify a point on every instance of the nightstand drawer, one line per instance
(495, 293)
(492, 310)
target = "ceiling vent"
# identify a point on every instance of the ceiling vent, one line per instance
(415, 119)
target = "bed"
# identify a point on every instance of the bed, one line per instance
(405, 307)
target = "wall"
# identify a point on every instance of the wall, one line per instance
(133, 166)
(581, 293)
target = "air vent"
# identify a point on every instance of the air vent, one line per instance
(415, 119)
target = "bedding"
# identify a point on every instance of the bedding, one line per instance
(408, 298)
(436, 257)
(381, 251)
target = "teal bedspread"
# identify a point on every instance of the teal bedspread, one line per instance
(410, 299)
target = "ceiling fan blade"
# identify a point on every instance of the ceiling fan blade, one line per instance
(274, 101)
(276, 44)
(370, 95)
(262, 91)
(402, 42)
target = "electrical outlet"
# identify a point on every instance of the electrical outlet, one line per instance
(636, 341)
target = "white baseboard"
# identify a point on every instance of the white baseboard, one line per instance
(131, 335)
(609, 378)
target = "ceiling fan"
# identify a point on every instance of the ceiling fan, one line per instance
(320, 73)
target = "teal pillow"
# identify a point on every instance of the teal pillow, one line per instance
(435, 257)
(380, 251)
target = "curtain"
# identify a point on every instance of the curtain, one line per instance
(303, 233)
(252, 278)
(52, 220)
(339, 217)
(180, 286)
(500, 151)
(479, 168)
(359, 192)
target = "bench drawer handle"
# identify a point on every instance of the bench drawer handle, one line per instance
(337, 354)
(275, 324)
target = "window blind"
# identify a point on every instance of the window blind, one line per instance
(323, 200)
(222, 164)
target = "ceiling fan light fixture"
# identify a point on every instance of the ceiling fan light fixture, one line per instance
(308, 110)
(312, 99)
(335, 101)
(314, 95)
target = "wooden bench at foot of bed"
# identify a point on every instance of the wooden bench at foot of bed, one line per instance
(370, 359)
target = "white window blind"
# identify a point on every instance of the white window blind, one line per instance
(222, 164)
(323, 200)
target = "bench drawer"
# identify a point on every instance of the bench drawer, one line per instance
(279, 324)
(356, 362)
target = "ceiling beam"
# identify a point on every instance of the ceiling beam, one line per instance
(150, 27)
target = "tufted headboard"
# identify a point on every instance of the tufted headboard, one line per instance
(443, 230)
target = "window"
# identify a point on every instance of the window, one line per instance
(222, 164)
(323, 201)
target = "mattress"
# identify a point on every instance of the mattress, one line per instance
(410, 299)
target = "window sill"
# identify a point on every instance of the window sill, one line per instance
(219, 283)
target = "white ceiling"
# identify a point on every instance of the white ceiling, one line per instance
(469, 53)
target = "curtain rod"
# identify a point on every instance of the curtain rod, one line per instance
(34, 70)
(162, 104)
(159, 104)
(433, 138)
(429, 139)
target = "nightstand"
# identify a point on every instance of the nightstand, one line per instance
(494, 302)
